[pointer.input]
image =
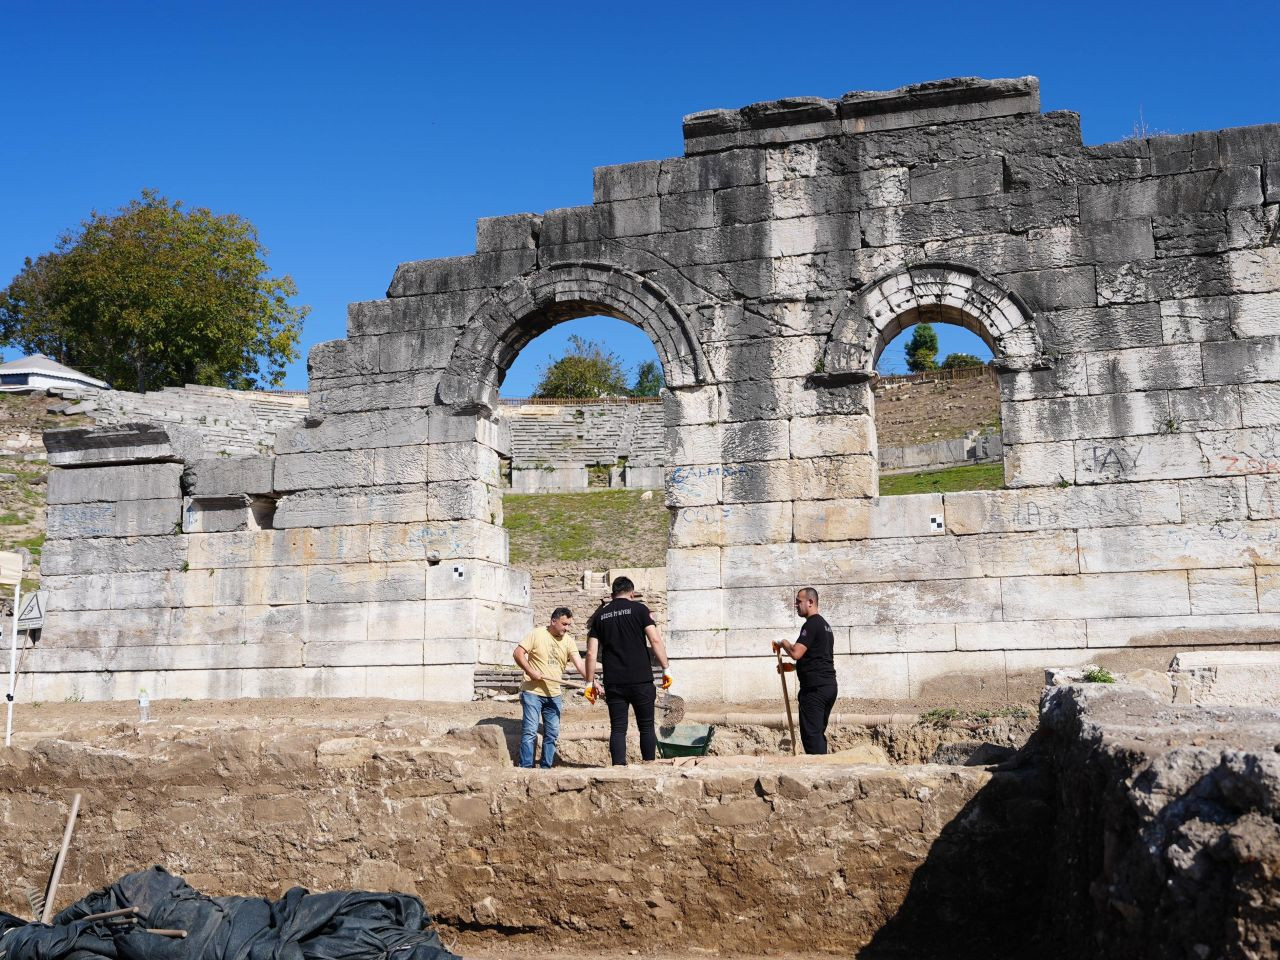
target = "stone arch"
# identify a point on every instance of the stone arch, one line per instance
(938, 292)
(530, 305)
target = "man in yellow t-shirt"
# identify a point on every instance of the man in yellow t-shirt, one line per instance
(542, 656)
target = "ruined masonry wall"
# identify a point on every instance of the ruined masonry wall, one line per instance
(1131, 296)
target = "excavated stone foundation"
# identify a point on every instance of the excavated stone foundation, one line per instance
(1124, 827)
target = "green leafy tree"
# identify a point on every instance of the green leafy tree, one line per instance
(922, 349)
(954, 361)
(649, 380)
(157, 294)
(585, 372)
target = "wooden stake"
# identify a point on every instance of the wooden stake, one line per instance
(52, 890)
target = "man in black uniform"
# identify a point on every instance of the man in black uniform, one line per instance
(617, 635)
(814, 654)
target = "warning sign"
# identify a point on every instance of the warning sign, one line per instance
(31, 616)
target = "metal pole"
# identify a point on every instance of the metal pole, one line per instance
(13, 663)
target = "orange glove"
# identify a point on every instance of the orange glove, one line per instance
(775, 646)
(786, 668)
(591, 693)
(666, 680)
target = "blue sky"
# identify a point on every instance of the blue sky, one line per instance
(357, 136)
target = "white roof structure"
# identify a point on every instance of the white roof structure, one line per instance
(38, 372)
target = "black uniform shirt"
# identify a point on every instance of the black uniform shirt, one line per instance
(624, 654)
(817, 668)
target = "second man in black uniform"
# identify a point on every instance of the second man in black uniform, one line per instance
(617, 635)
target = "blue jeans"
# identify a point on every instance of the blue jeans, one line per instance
(546, 709)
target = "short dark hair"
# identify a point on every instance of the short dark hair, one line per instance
(808, 593)
(622, 585)
(559, 612)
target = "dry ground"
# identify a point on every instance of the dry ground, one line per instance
(920, 413)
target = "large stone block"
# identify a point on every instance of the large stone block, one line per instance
(228, 476)
(764, 360)
(1180, 546)
(322, 508)
(1147, 368)
(1214, 500)
(356, 431)
(129, 518)
(1156, 457)
(1159, 594)
(731, 524)
(121, 444)
(1203, 190)
(110, 554)
(1021, 635)
(1071, 418)
(1172, 630)
(437, 542)
(1203, 408)
(1242, 361)
(834, 478)
(448, 274)
(1064, 508)
(363, 582)
(915, 515)
(216, 514)
(1039, 464)
(826, 436)
(1229, 591)
(150, 481)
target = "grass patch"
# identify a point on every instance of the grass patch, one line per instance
(978, 476)
(943, 717)
(1099, 675)
(11, 519)
(605, 528)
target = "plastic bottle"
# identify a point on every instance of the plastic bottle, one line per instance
(144, 707)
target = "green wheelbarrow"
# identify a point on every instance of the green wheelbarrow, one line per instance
(685, 740)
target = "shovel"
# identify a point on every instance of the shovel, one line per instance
(786, 699)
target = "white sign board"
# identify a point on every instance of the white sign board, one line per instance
(31, 616)
(10, 569)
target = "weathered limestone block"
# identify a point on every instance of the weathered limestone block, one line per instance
(1154, 594)
(1213, 500)
(1204, 190)
(693, 568)
(126, 555)
(694, 444)
(216, 514)
(1071, 418)
(1121, 326)
(920, 637)
(900, 559)
(1019, 635)
(458, 500)
(338, 622)
(446, 313)
(98, 629)
(1196, 319)
(452, 540)
(269, 624)
(696, 486)
(626, 181)
(323, 508)
(1165, 630)
(244, 586)
(1066, 378)
(731, 524)
(1060, 288)
(460, 273)
(253, 548)
(516, 231)
(922, 601)
(1180, 546)
(826, 436)
(1061, 508)
(1254, 315)
(691, 405)
(371, 653)
(762, 440)
(952, 180)
(185, 656)
(228, 476)
(1203, 408)
(767, 360)
(357, 582)
(1227, 591)
(697, 609)
(1259, 404)
(462, 461)
(150, 481)
(351, 468)
(1147, 368)
(121, 444)
(356, 431)
(1147, 458)
(1039, 464)
(1263, 496)
(354, 356)
(761, 482)
(915, 515)
(129, 518)
(834, 478)
(1254, 271)
(1242, 361)
(1235, 452)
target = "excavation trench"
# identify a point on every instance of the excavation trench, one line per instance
(743, 852)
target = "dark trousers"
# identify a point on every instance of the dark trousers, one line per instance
(640, 697)
(815, 711)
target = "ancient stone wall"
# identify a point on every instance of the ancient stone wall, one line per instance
(1130, 294)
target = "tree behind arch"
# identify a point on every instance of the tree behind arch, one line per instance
(587, 371)
(649, 381)
(157, 295)
(922, 349)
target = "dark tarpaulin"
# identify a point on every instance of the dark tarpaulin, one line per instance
(300, 926)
